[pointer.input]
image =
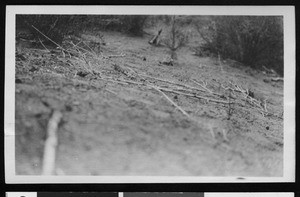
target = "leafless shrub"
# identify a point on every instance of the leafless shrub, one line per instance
(176, 38)
(252, 40)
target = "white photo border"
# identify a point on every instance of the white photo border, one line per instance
(288, 13)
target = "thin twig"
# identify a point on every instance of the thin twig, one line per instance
(74, 45)
(43, 45)
(203, 86)
(123, 81)
(277, 79)
(53, 25)
(229, 88)
(78, 47)
(90, 48)
(172, 82)
(48, 38)
(121, 55)
(133, 82)
(87, 62)
(110, 91)
(172, 102)
(196, 96)
(160, 90)
(114, 81)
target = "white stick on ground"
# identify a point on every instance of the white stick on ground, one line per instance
(173, 103)
(277, 79)
(50, 144)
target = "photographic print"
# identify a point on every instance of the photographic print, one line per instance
(149, 94)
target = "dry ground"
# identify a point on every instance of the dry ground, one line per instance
(114, 127)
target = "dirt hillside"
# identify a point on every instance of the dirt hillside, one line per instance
(127, 112)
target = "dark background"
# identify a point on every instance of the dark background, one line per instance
(115, 194)
(77, 194)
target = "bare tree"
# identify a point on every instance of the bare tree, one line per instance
(176, 38)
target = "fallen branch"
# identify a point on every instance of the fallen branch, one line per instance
(78, 47)
(277, 79)
(50, 144)
(174, 83)
(123, 82)
(114, 81)
(110, 91)
(196, 96)
(121, 55)
(132, 82)
(229, 88)
(271, 71)
(53, 25)
(239, 89)
(74, 45)
(155, 40)
(119, 69)
(265, 105)
(249, 97)
(160, 90)
(49, 38)
(172, 102)
(90, 48)
(202, 85)
(44, 45)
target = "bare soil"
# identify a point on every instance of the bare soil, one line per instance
(114, 127)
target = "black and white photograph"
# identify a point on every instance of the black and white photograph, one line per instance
(126, 94)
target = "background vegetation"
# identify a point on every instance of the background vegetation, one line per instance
(255, 41)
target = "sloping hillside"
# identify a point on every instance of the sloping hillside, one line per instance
(127, 111)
